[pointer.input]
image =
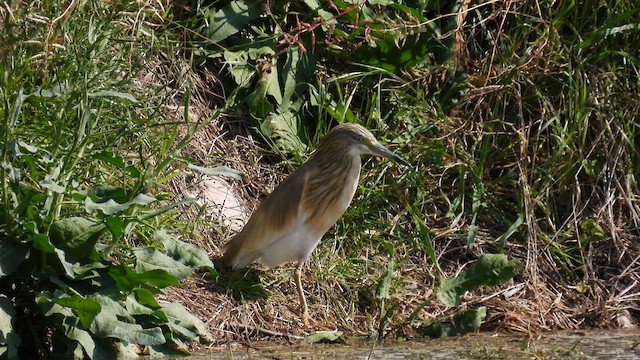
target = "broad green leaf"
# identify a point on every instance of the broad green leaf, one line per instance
(183, 252)
(8, 336)
(77, 236)
(232, 18)
(86, 309)
(134, 307)
(146, 298)
(83, 338)
(283, 130)
(113, 307)
(57, 89)
(183, 323)
(50, 307)
(218, 171)
(127, 279)
(40, 241)
(159, 278)
(104, 192)
(258, 102)
(107, 324)
(112, 159)
(290, 76)
(11, 256)
(325, 337)
(88, 270)
(116, 226)
(314, 5)
(242, 64)
(489, 270)
(111, 207)
(53, 186)
(66, 263)
(239, 67)
(151, 259)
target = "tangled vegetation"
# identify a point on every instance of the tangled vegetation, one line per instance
(520, 118)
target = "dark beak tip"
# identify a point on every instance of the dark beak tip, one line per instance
(405, 163)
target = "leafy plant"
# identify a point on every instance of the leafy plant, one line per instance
(87, 239)
(274, 59)
(488, 270)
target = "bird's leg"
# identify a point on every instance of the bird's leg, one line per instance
(303, 300)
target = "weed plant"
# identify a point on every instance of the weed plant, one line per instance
(84, 152)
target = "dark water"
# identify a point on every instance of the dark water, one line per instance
(564, 345)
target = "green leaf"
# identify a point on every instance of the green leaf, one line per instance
(146, 298)
(290, 76)
(325, 337)
(425, 234)
(315, 6)
(57, 89)
(112, 159)
(282, 128)
(512, 229)
(40, 241)
(77, 236)
(11, 256)
(104, 192)
(66, 264)
(232, 18)
(159, 278)
(134, 307)
(111, 207)
(384, 284)
(127, 279)
(85, 340)
(51, 185)
(107, 324)
(183, 252)
(116, 226)
(489, 270)
(183, 323)
(86, 309)
(116, 94)
(9, 339)
(258, 101)
(217, 171)
(17, 108)
(590, 230)
(151, 259)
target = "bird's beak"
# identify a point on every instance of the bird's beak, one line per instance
(379, 150)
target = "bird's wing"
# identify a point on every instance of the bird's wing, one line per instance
(275, 218)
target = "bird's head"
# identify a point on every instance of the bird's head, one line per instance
(358, 140)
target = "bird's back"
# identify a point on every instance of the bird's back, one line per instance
(274, 219)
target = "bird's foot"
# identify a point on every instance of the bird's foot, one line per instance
(308, 320)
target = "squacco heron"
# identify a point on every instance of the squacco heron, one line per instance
(289, 223)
